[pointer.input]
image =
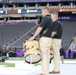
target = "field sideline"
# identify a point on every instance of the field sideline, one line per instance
(11, 62)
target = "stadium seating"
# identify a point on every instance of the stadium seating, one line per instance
(20, 42)
(10, 32)
(69, 29)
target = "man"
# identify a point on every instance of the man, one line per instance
(45, 30)
(56, 42)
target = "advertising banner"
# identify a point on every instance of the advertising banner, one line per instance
(30, 11)
(2, 11)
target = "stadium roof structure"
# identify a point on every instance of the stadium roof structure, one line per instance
(32, 1)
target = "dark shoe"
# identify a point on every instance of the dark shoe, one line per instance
(54, 72)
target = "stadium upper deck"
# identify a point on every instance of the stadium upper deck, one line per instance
(31, 9)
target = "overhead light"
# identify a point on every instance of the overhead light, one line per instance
(10, 1)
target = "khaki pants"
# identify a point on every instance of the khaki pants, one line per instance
(45, 44)
(56, 43)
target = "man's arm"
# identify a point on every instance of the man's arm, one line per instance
(36, 33)
(41, 26)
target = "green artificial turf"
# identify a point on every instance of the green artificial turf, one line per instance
(37, 64)
(69, 59)
(16, 58)
(8, 64)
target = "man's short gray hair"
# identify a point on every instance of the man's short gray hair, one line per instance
(46, 8)
(55, 13)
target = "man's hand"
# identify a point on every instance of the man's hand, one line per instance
(32, 38)
(53, 33)
(36, 33)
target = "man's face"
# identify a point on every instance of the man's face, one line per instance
(53, 17)
(43, 12)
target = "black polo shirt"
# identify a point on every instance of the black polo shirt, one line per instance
(46, 24)
(58, 27)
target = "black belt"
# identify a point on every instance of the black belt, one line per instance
(46, 36)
